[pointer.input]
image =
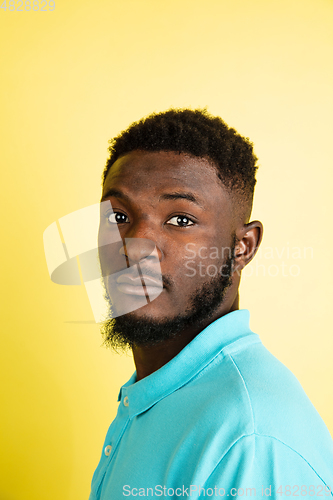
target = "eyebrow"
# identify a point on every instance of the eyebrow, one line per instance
(116, 193)
(180, 196)
(166, 196)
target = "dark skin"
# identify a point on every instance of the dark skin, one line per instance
(152, 190)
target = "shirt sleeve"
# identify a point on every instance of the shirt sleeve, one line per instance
(264, 467)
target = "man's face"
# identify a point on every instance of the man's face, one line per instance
(175, 204)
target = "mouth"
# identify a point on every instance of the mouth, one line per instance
(139, 286)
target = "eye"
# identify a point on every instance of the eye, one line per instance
(180, 221)
(116, 218)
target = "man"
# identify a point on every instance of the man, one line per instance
(209, 411)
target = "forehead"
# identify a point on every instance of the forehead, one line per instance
(156, 172)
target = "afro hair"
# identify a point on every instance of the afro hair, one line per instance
(197, 133)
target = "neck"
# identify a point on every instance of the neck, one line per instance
(148, 359)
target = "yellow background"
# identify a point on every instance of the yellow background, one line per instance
(75, 77)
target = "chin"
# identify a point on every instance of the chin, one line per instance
(150, 312)
(138, 304)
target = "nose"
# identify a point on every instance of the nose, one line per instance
(140, 243)
(137, 249)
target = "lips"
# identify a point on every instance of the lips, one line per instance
(132, 285)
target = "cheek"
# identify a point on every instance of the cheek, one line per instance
(110, 258)
(201, 262)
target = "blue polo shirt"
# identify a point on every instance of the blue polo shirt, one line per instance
(223, 418)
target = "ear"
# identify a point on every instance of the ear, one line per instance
(248, 240)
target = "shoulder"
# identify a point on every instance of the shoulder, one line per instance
(258, 461)
(270, 409)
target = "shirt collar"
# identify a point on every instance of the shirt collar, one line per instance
(188, 362)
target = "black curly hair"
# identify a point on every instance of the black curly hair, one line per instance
(197, 133)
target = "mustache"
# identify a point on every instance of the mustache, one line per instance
(146, 271)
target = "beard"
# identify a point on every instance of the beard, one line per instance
(125, 331)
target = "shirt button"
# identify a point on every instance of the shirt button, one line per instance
(107, 450)
(126, 402)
